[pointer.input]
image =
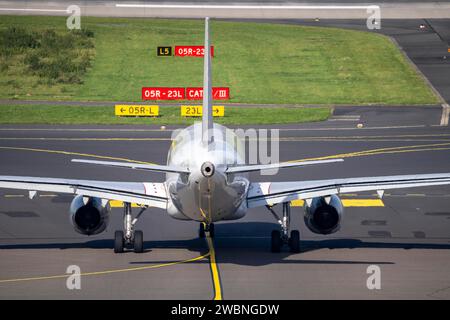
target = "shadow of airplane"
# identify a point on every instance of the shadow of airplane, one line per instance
(245, 243)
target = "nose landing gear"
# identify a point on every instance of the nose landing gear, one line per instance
(206, 228)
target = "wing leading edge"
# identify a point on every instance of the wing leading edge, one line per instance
(269, 193)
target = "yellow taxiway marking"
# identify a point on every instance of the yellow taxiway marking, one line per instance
(370, 152)
(119, 204)
(297, 203)
(97, 273)
(348, 203)
(404, 137)
(75, 154)
(212, 262)
(214, 270)
(363, 140)
(204, 215)
(414, 148)
(362, 203)
(157, 130)
(86, 139)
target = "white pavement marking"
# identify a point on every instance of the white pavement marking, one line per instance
(33, 10)
(445, 114)
(414, 10)
(246, 7)
(345, 118)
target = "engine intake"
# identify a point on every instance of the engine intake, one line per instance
(322, 217)
(91, 217)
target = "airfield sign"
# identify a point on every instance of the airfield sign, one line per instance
(163, 93)
(136, 110)
(179, 93)
(164, 51)
(197, 111)
(192, 51)
(219, 93)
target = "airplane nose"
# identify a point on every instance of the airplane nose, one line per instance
(207, 169)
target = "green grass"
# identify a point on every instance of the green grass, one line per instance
(46, 56)
(261, 63)
(44, 114)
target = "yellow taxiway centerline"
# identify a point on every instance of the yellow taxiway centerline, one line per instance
(75, 154)
(212, 262)
(214, 270)
(96, 273)
(390, 150)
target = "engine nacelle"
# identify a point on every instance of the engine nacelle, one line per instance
(323, 218)
(91, 217)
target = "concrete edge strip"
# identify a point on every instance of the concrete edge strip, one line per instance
(445, 106)
(445, 114)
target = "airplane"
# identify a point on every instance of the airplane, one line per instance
(207, 181)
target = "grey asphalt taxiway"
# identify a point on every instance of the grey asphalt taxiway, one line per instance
(407, 236)
(347, 9)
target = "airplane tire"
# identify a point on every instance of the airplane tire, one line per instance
(276, 242)
(138, 241)
(294, 241)
(118, 242)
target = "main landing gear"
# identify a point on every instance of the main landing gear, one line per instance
(132, 238)
(279, 238)
(206, 228)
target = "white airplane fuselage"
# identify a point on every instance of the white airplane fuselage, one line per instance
(207, 194)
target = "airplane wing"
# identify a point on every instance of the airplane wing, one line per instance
(138, 166)
(262, 167)
(269, 193)
(151, 194)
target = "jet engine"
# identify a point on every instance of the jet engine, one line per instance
(322, 217)
(88, 215)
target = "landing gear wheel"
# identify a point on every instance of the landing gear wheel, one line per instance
(294, 241)
(201, 231)
(138, 241)
(276, 241)
(211, 230)
(118, 242)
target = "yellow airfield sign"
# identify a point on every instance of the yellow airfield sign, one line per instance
(136, 110)
(197, 111)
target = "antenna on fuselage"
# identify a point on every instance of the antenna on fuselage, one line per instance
(207, 118)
